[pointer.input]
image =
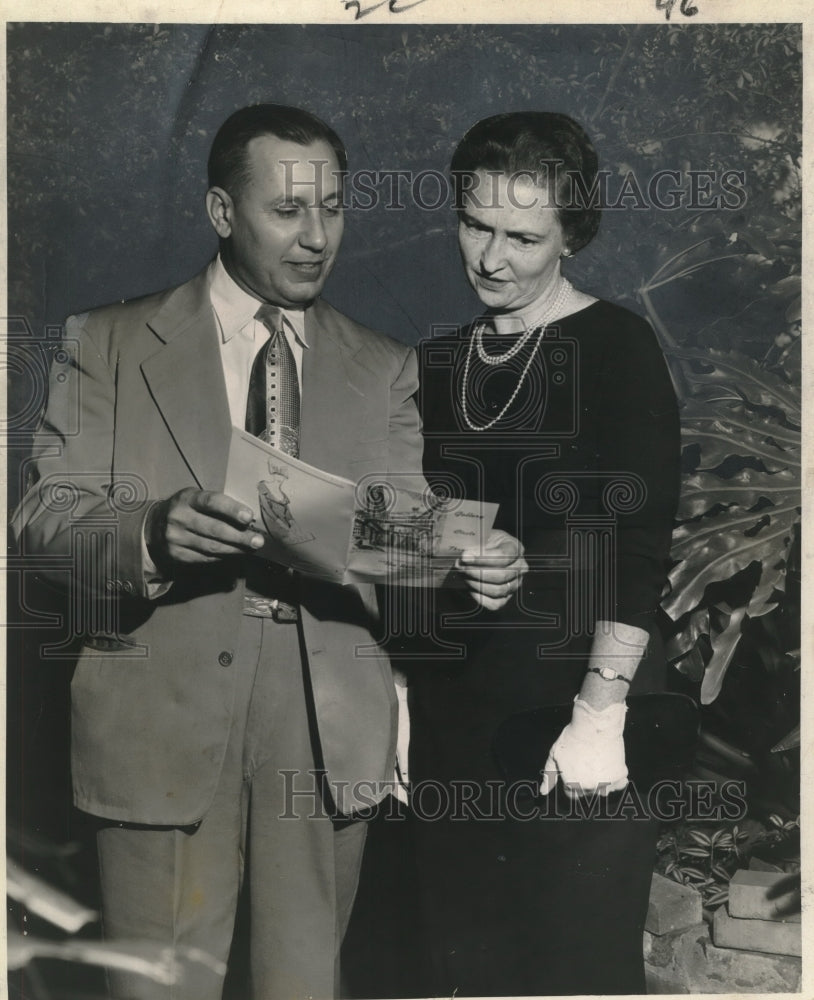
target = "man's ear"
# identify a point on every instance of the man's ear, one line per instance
(219, 207)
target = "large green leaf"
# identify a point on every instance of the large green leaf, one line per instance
(794, 310)
(679, 645)
(738, 508)
(722, 429)
(42, 899)
(144, 958)
(758, 241)
(718, 554)
(723, 649)
(739, 376)
(704, 491)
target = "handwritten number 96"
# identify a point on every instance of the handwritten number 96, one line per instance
(687, 8)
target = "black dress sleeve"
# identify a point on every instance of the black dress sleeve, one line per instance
(638, 437)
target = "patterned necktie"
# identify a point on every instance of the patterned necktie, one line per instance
(273, 404)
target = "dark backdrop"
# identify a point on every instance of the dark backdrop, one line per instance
(109, 127)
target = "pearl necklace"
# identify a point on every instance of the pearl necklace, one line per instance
(476, 341)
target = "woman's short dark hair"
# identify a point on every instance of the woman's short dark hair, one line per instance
(228, 166)
(549, 146)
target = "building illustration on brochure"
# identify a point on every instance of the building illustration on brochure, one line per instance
(329, 527)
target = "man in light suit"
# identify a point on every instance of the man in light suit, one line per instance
(233, 713)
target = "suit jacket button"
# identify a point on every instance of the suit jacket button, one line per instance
(128, 587)
(225, 658)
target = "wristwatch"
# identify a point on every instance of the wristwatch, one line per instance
(608, 674)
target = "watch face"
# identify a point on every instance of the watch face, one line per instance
(608, 673)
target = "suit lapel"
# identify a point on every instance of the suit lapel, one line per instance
(330, 372)
(186, 380)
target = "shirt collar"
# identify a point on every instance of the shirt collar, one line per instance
(235, 308)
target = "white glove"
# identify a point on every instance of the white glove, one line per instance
(589, 754)
(401, 779)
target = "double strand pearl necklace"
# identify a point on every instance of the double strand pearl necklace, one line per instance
(476, 342)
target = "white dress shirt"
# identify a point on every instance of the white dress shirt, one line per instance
(241, 336)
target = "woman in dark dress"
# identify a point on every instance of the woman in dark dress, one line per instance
(558, 407)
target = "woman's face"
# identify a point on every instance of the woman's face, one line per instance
(510, 240)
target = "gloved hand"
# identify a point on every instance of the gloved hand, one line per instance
(589, 754)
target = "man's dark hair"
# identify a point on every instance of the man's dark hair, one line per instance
(543, 143)
(228, 166)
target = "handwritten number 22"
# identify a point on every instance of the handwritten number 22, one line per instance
(687, 8)
(394, 6)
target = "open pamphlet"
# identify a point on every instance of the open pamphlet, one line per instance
(331, 528)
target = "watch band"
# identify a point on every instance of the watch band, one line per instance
(609, 674)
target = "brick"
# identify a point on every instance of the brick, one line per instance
(687, 962)
(672, 906)
(759, 865)
(760, 895)
(775, 937)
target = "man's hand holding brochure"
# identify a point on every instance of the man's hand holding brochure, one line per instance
(374, 530)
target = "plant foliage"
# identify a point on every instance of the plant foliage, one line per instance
(707, 857)
(740, 505)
